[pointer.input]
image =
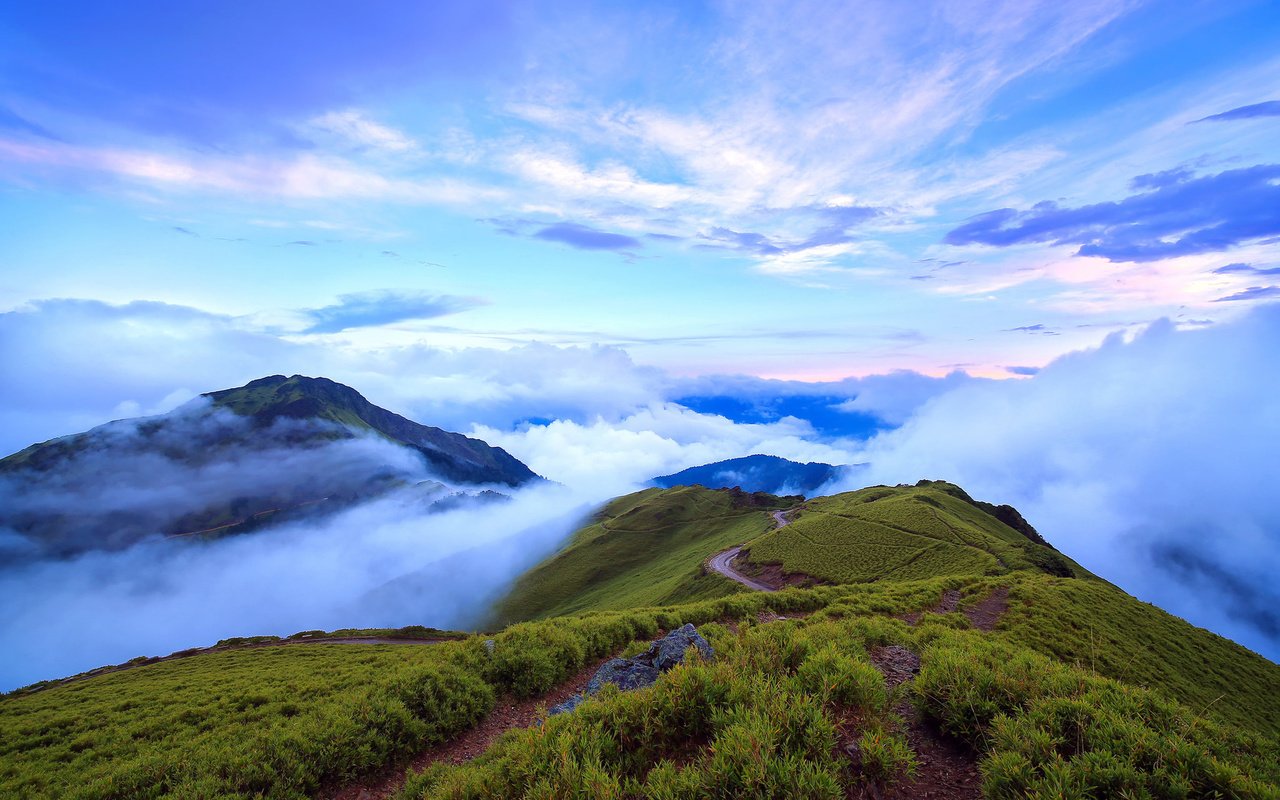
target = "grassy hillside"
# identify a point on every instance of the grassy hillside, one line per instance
(644, 549)
(772, 716)
(1056, 687)
(903, 533)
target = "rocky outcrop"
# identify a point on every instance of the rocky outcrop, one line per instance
(642, 670)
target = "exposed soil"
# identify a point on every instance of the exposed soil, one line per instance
(949, 602)
(507, 714)
(945, 768)
(773, 575)
(898, 664)
(985, 613)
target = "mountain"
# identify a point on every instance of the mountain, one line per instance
(924, 647)
(757, 473)
(643, 549)
(450, 456)
(274, 450)
(648, 548)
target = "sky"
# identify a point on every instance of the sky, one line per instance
(1030, 247)
(799, 190)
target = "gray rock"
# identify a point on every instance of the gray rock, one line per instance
(489, 644)
(642, 670)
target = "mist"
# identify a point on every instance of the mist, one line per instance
(132, 479)
(383, 563)
(1151, 460)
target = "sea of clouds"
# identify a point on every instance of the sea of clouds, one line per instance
(1150, 459)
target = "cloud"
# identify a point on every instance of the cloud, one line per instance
(1022, 370)
(1176, 215)
(609, 457)
(1246, 269)
(380, 564)
(14, 121)
(368, 309)
(129, 480)
(354, 127)
(1252, 293)
(1122, 455)
(69, 365)
(1270, 108)
(1038, 328)
(587, 238)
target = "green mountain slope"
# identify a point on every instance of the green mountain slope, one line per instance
(905, 532)
(643, 549)
(776, 714)
(1054, 686)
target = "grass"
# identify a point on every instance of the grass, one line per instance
(1099, 628)
(774, 714)
(282, 721)
(1080, 691)
(902, 533)
(644, 549)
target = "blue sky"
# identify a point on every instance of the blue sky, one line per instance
(799, 190)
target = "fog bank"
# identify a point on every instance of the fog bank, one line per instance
(1152, 461)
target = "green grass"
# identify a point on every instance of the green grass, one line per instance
(1080, 691)
(770, 717)
(1101, 629)
(281, 721)
(902, 533)
(644, 549)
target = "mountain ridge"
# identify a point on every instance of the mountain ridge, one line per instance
(232, 461)
(758, 472)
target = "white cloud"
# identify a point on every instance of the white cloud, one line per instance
(353, 126)
(1151, 461)
(612, 457)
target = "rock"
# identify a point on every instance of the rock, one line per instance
(642, 670)
(670, 649)
(489, 644)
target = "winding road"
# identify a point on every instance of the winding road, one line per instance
(722, 562)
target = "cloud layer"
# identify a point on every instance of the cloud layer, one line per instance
(1150, 461)
(1175, 214)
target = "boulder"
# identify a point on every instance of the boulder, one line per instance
(642, 670)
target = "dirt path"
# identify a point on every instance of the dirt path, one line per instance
(723, 564)
(509, 713)
(945, 768)
(983, 615)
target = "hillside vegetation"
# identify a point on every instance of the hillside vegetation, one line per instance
(643, 549)
(1055, 684)
(763, 719)
(904, 533)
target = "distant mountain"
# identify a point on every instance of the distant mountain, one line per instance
(277, 449)
(451, 456)
(758, 473)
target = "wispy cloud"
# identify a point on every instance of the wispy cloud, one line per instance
(1270, 108)
(308, 176)
(585, 237)
(1175, 214)
(1252, 293)
(369, 309)
(1246, 269)
(356, 128)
